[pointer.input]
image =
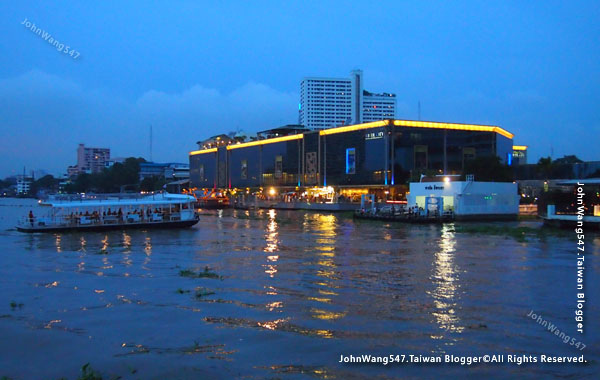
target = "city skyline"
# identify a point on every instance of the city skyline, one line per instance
(192, 72)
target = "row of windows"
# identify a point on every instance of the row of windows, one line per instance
(389, 104)
(328, 99)
(327, 82)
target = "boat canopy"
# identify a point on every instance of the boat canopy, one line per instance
(154, 200)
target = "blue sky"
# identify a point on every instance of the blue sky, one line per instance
(193, 69)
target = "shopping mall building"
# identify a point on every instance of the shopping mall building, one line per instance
(375, 155)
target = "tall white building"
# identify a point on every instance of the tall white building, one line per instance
(329, 102)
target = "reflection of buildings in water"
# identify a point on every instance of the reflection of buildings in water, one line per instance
(446, 281)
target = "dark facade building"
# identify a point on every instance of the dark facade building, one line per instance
(519, 156)
(380, 153)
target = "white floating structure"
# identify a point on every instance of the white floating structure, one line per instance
(466, 199)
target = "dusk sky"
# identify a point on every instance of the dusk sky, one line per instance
(193, 71)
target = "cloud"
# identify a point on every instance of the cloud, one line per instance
(44, 117)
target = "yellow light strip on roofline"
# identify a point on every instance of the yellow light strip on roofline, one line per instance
(462, 127)
(266, 141)
(211, 150)
(357, 127)
(519, 147)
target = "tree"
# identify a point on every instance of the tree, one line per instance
(110, 180)
(152, 183)
(47, 182)
(544, 167)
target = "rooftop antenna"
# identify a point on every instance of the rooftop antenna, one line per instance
(419, 117)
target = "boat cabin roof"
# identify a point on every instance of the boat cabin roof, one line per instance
(152, 200)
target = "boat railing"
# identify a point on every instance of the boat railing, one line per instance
(97, 219)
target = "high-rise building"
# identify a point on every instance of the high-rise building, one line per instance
(90, 160)
(330, 102)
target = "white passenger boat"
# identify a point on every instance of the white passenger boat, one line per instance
(93, 213)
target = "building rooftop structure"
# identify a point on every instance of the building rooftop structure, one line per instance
(289, 129)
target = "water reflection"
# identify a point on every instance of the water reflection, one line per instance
(325, 226)
(445, 278)
(126, 242)
(104, 243)
(148, 246)
(271, 238)
(58, 243)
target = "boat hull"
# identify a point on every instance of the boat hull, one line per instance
(107, 227)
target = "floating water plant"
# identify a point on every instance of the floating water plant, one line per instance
(203, 292)
(182, 291)
(520, 233)
(206, 274)
(87, 373)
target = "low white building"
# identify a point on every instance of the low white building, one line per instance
(467, 199)
(23, 184)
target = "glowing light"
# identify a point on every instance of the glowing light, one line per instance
(519, 147)
(194, 152)
(357, 127)
(446, 179)
(461, 127)
(418, 124)
(272, 191)
(266, 141)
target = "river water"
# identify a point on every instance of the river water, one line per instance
(287, 293)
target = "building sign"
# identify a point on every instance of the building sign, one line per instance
(374, 135)
(434, 187)
(350, 161)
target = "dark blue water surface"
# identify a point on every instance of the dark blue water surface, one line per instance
(294, 291)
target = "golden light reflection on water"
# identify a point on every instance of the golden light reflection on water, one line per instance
(271, 325)
(58, 243)
(104, 243)
(325, 226)
(274, 305)
(126, 242)
(272, 244)
(326, 315)
(148, 246)
(445, 276)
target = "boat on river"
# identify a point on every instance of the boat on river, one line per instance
(98, 212)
